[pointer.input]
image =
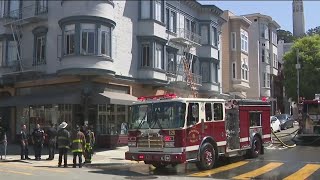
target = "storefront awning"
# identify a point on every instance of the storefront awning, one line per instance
(108, 97)
(41, 99)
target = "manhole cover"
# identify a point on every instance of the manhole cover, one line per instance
(141, 177)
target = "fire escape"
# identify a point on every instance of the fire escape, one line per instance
(15, 20)
(186, 40)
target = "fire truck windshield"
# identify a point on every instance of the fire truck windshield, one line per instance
(311, 109)
(162, 115)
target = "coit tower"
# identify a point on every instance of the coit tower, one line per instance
(298, 18)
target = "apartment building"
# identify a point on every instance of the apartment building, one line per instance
(87, 61)
(263, 58)
(235, 53)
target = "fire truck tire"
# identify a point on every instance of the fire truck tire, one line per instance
(256, 147)
(208, 157)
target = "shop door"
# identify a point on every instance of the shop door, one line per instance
(232, 129)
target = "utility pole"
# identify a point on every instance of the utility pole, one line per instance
(298, 66)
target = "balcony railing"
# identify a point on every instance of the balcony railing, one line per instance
(181, 76)
(28, 13)
(188, 35)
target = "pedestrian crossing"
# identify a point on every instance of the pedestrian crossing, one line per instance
(263, 170)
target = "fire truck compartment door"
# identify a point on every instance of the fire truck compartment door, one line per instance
(232, 129)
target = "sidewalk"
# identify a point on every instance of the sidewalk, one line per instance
(101, 156)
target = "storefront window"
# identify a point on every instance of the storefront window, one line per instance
(112, 119)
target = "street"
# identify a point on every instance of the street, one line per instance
(278, 162)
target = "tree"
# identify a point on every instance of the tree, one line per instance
(314, 31)
(285, 35)
(309, 58)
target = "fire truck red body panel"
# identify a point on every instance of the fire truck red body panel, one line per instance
(242, 122)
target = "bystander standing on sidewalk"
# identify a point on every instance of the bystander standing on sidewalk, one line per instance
(3, 141)
(52, 134)
(38, 140)
(24, 143)
(63, 139)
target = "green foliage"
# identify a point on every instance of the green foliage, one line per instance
(309, 58)
(314, 31)
(285, 35)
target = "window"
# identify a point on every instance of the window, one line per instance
(158, 7)
(234, 70)
(208, 109)
(12, 54)
(172, 64)
(244, 69)
(14, 6)
(267, 56)
(158, 57)
(87, 38)
(145, 9)
(193, 114)
(42, 6)
(205, 71)
(1, 54)
(69, 41)
(244, 41)
(233, 40)
(214, 72)
(106, 41)
(255, 119)
(262, 55)
(275, 60)
(274, 38)
(40, 50)
(218, 111)
(2, 8)
(214, 36)
(145, 54)
(204, 34)
(171, 23)
(266, 80)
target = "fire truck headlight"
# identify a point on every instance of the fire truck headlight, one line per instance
(169, 144)
(132, 144)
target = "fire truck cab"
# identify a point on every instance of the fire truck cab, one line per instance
(309, 118)
(168, 130)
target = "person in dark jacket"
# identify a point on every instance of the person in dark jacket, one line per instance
(52, 134)
(24, 143)
(63, 139)
(3, 141)
(38, 140)
(78, 146)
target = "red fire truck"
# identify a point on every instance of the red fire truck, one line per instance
(309, 117)
(168, 130)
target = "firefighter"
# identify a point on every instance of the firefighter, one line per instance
(90, 140)
(37, 141)
(78, 146)
(52, 133)
(63, 140)
(24, 143)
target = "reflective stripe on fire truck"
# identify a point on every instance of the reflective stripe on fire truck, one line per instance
(266, 136)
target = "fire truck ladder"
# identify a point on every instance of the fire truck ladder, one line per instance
(16, 29)
(188, 72)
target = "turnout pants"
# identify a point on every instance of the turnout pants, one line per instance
(63, 152)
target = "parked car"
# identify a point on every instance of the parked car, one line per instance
(275, 124)
(285, 121)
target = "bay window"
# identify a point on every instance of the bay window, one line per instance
(105, 38)
(69, 39)
(244, 41)
(87, 39)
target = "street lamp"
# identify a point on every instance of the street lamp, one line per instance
(298, 67)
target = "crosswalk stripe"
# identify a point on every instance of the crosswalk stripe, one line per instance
(219, 169)
(304, 172)
(30, 167)
(259, 171)
(15, 172)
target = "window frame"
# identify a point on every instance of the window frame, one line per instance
(107, 31)
(244, 69)
(66, 41)
(43, 39)
(260, 121)
(234, 70)
(87, 32)
(143, 9)
(244, 41)
(171, 24)
(222, 111)
(263, 55)
(214, 37)
(174, 66)
(158, 56)
(158, 12)
(146, 62)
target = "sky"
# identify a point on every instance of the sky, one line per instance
(280, 11)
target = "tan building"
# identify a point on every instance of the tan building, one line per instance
(235, 54)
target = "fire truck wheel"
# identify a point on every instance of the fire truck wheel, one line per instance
(256, 147)
(208, 156)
